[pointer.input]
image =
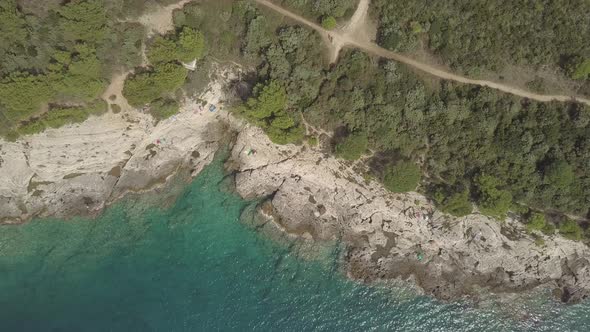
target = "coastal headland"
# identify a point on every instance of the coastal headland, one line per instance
(80, 169)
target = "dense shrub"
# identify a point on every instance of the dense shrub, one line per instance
(537, 222)
(329, 22)
(320, 8)
(188, 45)
(559, 174)
(65, 55)
(492, 200)
(457, 204)
(402, 177)
(471, 35)
(571, 230)
(162, 109)
(268, 110)
(59, 116)
(352, 146)
(145, 87)
(21, 94)
(582, 71)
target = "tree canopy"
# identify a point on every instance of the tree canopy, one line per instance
(478, 35)
(268, 110)
(481, 146)
(166, 74)
(188, 45)
(145, 87)
(492, 200)
(63, 57)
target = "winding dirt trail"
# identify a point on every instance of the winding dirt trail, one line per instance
(349, 36)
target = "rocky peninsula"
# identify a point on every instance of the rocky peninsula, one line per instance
(80, 169)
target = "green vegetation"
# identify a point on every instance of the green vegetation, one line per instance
(329, 23)
(22, 94)
(187, 46)
(268, 110)
(475, 144)
(162, 109)
(571, 230)
(316, 9)
(471, 35)
(539, 241)
(456, 204)
(492, 200)
(582, 71)
(147, 86)
(312, 141)
(559, 175)
(116, 108)
(166, 74)
(352, 146)
(59, 116)
(65, 54)
(222, 24)
(537, 222)
(403, 177)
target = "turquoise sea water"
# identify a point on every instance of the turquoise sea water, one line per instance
(193, 266)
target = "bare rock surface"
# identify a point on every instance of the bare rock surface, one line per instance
(79, 169)
(402, 235)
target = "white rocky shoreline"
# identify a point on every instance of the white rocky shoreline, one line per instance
(80, 169)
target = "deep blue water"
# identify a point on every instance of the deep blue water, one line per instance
(193, 266)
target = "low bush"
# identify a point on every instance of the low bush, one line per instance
(162, 109)
(329, 23)
(60, 116)
(403, 177)
(537, 222)
(571, 230)
(352, 146)
(457, 204)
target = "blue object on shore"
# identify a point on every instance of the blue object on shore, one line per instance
(212, 108)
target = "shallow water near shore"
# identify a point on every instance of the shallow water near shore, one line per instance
(193, 266)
